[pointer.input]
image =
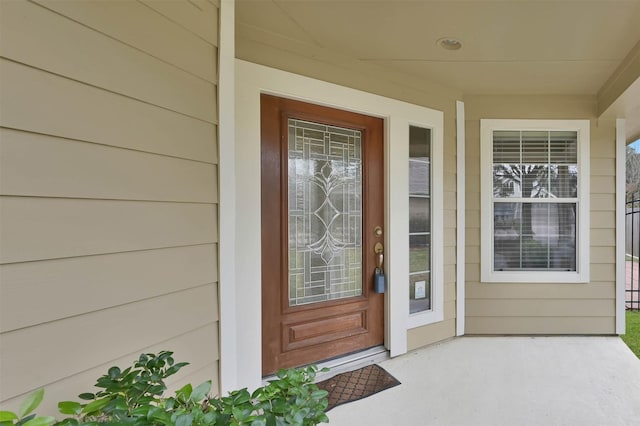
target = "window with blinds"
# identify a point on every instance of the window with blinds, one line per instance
(535, 178)
(534, 200)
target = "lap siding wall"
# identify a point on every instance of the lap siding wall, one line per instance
(545, 308)
(108, 191)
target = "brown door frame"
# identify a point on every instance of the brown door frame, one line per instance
(358, 327)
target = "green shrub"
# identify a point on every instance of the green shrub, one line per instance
(25, 415)
(134, 396)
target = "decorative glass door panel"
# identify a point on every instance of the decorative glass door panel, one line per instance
(322, 208)
(324, 212)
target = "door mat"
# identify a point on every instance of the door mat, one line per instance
(358, 384)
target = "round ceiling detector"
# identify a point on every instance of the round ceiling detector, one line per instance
(449, 43)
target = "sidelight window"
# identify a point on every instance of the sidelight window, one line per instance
(419, 219)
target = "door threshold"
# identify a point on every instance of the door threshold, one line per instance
(345, 363)
(352, 361)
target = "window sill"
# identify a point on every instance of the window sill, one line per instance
(420, 319)
(535, 277)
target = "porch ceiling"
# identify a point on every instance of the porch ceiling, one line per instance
(509, 47)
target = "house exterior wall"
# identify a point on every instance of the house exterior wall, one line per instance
(347, 73)
(544, 308)
(109, 193)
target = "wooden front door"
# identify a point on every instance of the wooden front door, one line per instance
(322, 215)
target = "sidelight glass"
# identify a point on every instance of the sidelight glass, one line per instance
(419, 219)
(324, 211)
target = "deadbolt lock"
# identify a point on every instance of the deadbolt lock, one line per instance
(377, 231)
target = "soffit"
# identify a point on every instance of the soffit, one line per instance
(509, 47)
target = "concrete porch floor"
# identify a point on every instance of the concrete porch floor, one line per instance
(511, 381)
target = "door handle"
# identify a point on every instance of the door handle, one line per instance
(378, 248)
(378, 275)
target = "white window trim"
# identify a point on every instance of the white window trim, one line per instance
(581, 275)
(436, 313)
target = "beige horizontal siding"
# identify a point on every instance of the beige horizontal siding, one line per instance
(200, 18)
(449, 236)
(421, 336)
(603, 255)
(108, 191)
(541, 291)
(601, 219)
(100, 336)
(49, 228)
(544, 308)
(139, 176)
(564, 107)
(603, 167)
(602, 202)
(471, 274)
(140, 26)
(450, 275)
(540, 325)
(472, 254)
(196, 346)
(602, 184)
(603, 272)
(450, 309)
(33, 102)
(600, 134)
(449, 201)
(450, 292)
(99, 282)
(129, 71)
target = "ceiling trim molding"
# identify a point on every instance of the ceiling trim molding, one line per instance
(621, 79)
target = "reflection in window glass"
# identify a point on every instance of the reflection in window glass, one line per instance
(420, 295)
(535, 185)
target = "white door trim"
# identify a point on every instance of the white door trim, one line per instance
(251, 81)
(227, 199)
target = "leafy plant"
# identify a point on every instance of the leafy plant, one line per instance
(134, 396)
(124, 392)
(25, 415)
(291, 399)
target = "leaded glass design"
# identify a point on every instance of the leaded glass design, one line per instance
(325, 212)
